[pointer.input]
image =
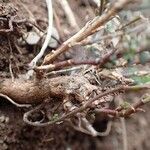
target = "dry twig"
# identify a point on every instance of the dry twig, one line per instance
(88, 104)
(69, 14)
(100, 62)
(87, 30)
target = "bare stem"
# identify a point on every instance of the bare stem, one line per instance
(87, 30)
(100, 62)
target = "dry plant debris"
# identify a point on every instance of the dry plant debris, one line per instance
(86, 91)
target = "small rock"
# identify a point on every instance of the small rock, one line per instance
(32, 38)
(53, 42)
(1, 141)
(6, 119)
(2, 119)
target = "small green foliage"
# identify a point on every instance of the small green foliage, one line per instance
(129, 55)
(146, 98)
(144, 57)
(109, 64)
(110, 27)
(141, 79)
(132, 46)
(131, 70)
(125, 105)
(54, 117)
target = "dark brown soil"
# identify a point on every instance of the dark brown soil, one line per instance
(17, 135)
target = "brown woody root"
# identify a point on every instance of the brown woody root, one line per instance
(29, 92)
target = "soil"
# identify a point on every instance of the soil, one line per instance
(17, 135)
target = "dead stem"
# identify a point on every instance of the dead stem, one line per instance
(88, 104)
(87, 30)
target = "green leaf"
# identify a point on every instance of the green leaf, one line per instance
(132, 46)
(125, 105)
(144, 57)
(141, 79)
